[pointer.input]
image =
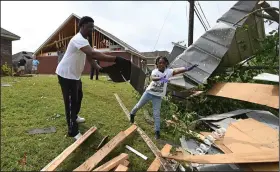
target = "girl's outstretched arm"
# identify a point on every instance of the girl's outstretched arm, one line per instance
(183, 69)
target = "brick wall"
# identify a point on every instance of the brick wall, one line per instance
(6, 51)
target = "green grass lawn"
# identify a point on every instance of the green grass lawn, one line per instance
(32, 102)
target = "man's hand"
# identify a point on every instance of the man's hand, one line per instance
(96, 66)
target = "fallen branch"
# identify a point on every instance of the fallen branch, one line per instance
(269, 8)
(272, 13)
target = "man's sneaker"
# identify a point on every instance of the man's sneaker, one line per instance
(78, 136)
(157, 136)
(80, 120)
(132, 118)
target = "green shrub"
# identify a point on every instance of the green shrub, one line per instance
(7, 70)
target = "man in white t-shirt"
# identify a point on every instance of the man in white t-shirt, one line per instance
(70, 69)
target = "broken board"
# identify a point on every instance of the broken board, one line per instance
(256, 93)
(91, 162)
(121, 168)
(112, 163)
(231, 158)
(156, 163)
(60, 158)
(145, 137)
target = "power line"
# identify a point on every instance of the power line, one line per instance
(203, 14)
(200, 19)
(163, 25)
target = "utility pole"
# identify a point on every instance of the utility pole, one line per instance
(191, 22)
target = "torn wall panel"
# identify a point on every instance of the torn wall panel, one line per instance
(256, 93)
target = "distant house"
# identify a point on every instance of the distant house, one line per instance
(27, 56)
(151, 57)
(102, 40)
(6, 46)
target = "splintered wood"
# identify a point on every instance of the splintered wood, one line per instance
(149, 142)
(256, 93)
(60, 158)
(90, 163)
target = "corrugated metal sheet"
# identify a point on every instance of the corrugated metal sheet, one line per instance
(176, 51)
(191, 145)
(223, 45)
(214, 121)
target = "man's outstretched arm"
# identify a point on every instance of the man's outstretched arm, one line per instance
(90, 52)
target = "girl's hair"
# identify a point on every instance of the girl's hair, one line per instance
(164, 58)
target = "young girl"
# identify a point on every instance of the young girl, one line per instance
(157, 89)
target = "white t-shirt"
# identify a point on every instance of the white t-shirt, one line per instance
(158, 88)
(73, 62)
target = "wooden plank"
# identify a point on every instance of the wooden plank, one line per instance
(125, 163)
(60, 158)
(95, 39)
(92, 37)
(231, 158)
(91, 162)
(112, 163)
(147, 140)
(256, 93)
(121, 168)
(75, 25)
(155, 165)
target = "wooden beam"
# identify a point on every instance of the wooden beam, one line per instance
(112, 163)
(60, 158)
(98, 43)
(92, 38)
(75, 26)
(121, 168)
(231, 158)
(51, 44)
(59, 38)
(156, 163)
(91, 162)
(146, 138)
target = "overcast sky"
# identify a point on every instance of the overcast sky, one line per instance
(137, 23)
